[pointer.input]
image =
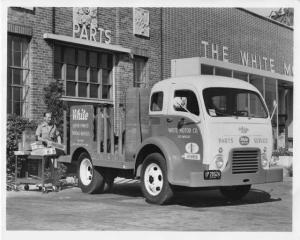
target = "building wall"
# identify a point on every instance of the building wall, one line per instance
(239, 30)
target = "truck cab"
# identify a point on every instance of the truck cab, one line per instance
(216, 133)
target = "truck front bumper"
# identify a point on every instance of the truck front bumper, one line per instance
(229, 179)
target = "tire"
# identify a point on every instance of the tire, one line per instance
(235, 192)
(155, 186)
(90, 179)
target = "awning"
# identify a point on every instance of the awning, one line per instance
(82, 42)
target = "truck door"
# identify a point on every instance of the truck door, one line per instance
(184, 123)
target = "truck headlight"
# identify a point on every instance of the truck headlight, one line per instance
(219, 161)
(264, 160)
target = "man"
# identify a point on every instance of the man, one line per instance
(47, 131)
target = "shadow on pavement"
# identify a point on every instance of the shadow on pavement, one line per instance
(199, 198)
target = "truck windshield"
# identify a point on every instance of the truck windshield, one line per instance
(228, 102)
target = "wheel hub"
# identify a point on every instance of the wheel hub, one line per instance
(86, 171)
(153, 179)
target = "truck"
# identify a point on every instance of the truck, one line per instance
(185, 132)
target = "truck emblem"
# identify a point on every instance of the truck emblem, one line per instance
(192, 147)
(243, 129)
(244, 140)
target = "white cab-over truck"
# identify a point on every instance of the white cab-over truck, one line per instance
(192, 131)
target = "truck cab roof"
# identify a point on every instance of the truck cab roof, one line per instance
(201, 82)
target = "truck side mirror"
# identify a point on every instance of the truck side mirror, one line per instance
(274, 108)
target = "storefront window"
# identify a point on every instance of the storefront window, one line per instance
(207, 70)
(87, 74)
(223, 72)
(140, 72)
(240, 75)
(258, 82)
(17, 73)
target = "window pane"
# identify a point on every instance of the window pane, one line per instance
(16, 44)
(70, 88)
(71, 72)
(157, 101)
(9, 100)
(207, 70)
(189, 99)
(17, 59)
(93, 59)
(17, 108)
(258, 83)
(82, 74)
(17, 76)
(103, 60)
(57, 70)
(17, 94)
(105, 77)
(240, 75)
(9, 76)
(139, 71)
(94, 75)
(110, 61)
(69, 55)
(105, 92)
(81, 57)
(9, 50)
(25, 59)
(94, 90)
(57, 54)
(270, 93)
(82, 90)
(223, 72)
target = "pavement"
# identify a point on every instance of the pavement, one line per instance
(266, 207)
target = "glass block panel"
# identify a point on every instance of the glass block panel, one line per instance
(82, 89)
(94, 90)
(71, 86)
(82, 58)
(82, 74)
(71, 72)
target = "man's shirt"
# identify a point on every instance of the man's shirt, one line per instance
(46, 131)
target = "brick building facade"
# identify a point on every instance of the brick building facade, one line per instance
(99, 52)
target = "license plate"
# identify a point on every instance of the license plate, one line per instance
(212, 174)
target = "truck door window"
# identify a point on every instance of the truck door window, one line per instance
(157, 101)
(190, 100)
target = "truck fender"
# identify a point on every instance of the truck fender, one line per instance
(164, 146)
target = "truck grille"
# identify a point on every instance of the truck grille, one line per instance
(245, 161)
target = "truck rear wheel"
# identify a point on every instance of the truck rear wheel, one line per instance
(155, 185)
(235, 192)
(90, 179)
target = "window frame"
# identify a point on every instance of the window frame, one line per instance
(23, 86)
(98, 66)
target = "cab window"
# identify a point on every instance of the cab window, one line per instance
(189, 99)
(157, 101)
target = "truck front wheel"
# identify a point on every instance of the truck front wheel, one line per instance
(235, 192)
(90, 180)
(155, 185)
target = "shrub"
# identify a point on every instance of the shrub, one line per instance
(15, 126)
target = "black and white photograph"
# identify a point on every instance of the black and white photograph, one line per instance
(161, 118)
